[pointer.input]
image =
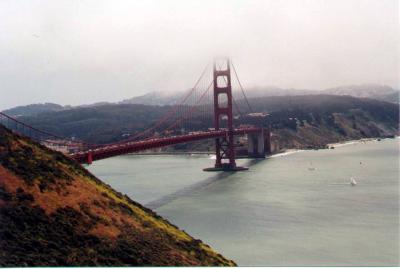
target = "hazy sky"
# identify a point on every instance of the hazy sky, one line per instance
(76, 52)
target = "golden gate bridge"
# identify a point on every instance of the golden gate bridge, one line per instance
(198, 102)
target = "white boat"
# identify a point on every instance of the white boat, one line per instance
(311, 168)
(353, 182)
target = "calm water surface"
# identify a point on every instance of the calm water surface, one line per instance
(280, 212)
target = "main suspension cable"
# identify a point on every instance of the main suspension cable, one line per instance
(241, 87)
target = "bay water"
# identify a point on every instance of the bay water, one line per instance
(292, 209)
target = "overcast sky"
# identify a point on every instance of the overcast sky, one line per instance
(77, 52)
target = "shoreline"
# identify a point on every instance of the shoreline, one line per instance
(357, 141)
(332, 146)
(351, 142)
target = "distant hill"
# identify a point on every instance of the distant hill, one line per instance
(110, 123)
(272, 91)
(155, 98)
(53, 212)
(373, 91)
(98, 124)
(159, 98)
(33, 109)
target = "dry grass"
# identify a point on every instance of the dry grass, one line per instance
(63, 202)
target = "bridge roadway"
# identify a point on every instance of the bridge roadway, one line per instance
(135, 146)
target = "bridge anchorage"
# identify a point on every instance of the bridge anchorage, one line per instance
(225, 146)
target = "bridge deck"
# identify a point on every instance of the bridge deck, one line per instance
(130, 147)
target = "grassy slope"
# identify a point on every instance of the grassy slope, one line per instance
(54, 212)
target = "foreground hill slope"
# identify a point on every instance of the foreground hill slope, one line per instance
(53, 212)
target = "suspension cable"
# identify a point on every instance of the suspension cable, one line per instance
(168, 114)
(30, 127)
(191, 110)
(241, 88)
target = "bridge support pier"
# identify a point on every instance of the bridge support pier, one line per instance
(256, 145)
(259, 144)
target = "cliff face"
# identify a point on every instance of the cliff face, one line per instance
(332, 128)
(53, 212)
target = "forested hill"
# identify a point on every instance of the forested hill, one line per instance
(33, 109)
(325, 104)
(107, 123)
(53, 212)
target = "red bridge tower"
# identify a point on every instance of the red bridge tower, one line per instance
(223, 118)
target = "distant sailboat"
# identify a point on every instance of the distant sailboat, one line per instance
(311, 168)
(353, 182)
